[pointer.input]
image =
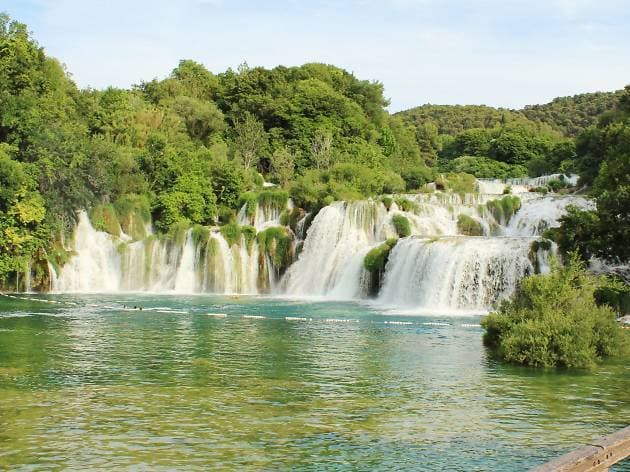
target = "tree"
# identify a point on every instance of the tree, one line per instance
(604, 161)
(321, 149)
(553, 320)
(283, 165)
(250, 139)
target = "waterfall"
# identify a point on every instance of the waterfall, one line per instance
(27, 278)
(338, 232)
(186, 275)
(454, 272)
(265, 215)
(523, 184)
(104, 263)
(95, 267)
(436, 268)
(537, 215)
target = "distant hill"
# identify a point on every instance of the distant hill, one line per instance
(566, 115)
(570, 115)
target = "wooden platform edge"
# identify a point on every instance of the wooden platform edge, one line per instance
(599, 455)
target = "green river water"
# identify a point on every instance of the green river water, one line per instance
(88, 385)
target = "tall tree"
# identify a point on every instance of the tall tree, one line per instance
(250, 139)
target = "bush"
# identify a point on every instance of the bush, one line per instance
(416, 176)
(134, 213)
(232, 233)
(250, 199)
(387, 201)
(104, 218)
(405, 204)
(555, 185)
(553, 320)
(393, 183)
(402, 226)
(249, 235)
(615, 294)
(376, 258)
(486, 168)
(459, 183)
(274, 198)
(275, 242)
(505, 208)
(469, 226)
(200, 235)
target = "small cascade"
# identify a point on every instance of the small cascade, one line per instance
(53, 277)
(537, 215)
(265, 215)
(338, 232)
(27, 279)
(454, 273)
(103, 263)
(523, 184)
(95, 267)
(186, 274)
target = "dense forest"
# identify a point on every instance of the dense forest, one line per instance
(193, 147)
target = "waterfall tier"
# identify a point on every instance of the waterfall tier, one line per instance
(436, 267)
(455, 272)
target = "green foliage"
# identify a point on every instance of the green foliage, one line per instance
(455, 119)
(541, 244)
(249, 235)
(104, 218)
(283, 165)
(405, 204)
(344, 181)
(275, 242)
(200, 235)
(250, 199)
(376, 259)
(232, 233)
(554, 321)
(273, 198)
(387, 201)
(469, 226)
(615, 294)
(604, 162)
(134, 214)
(504, 208)
(228, 181)
(416, 176)
(572, 115)
(401, 225)
(190, 200)
(486, 168)
(250, 139)
(457, 183)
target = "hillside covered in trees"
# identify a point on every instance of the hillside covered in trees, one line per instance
(192, 147)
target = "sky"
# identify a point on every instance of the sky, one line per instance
(507, 53)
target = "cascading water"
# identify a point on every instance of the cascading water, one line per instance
(104, 263)
(339, 232)
(96, 265)
(537, 215)
(434, 269)
(454, 272)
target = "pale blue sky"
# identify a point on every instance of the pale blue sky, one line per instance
(495, 52)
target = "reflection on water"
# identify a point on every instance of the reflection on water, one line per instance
(92, 385)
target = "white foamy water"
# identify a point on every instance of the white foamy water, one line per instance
(434, 269)
(454, 272)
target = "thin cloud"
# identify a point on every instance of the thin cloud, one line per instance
(498, 52)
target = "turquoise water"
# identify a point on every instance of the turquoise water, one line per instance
(88, 385)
